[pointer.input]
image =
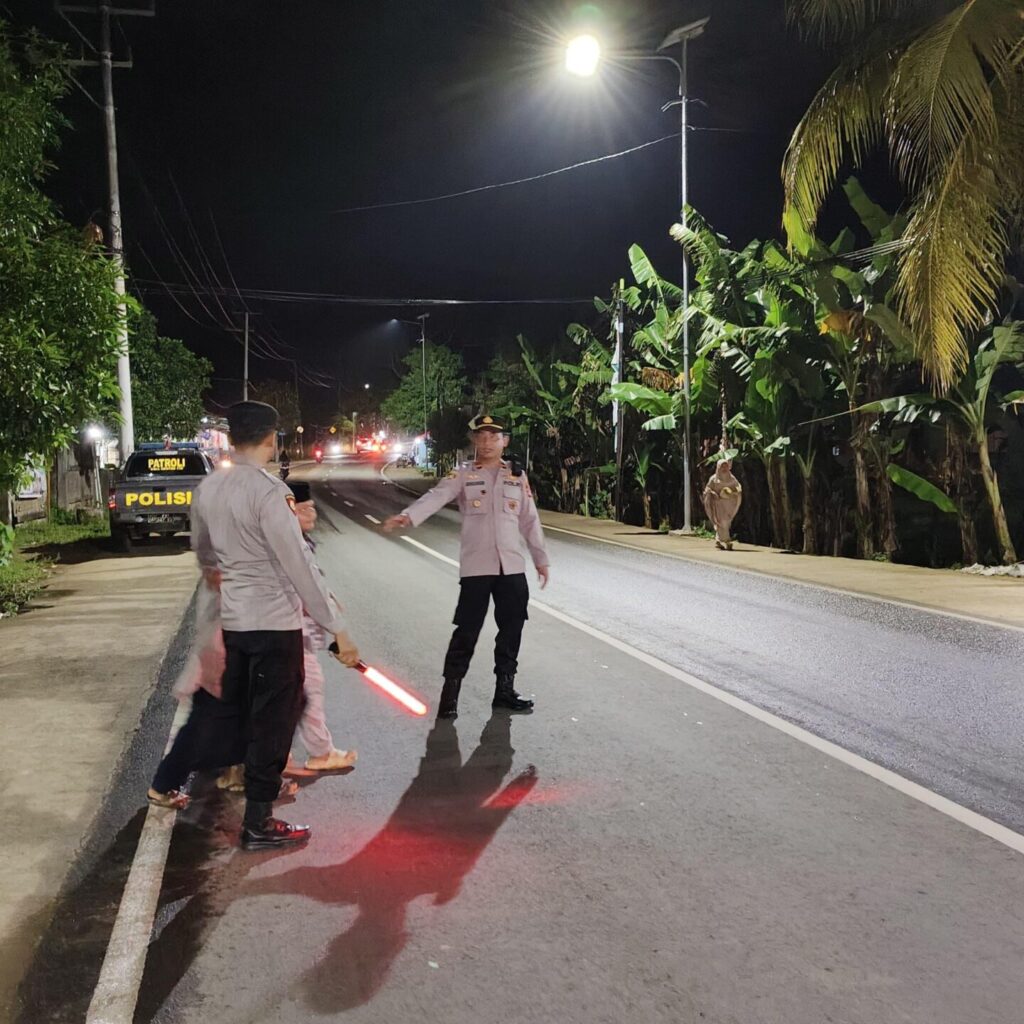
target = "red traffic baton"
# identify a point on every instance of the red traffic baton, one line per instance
(398, 693)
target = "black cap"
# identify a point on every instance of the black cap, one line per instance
(250, 422)
(486, 422)
(300, 488)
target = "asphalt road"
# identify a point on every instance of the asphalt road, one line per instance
(635, 850)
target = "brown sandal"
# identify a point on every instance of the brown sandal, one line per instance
(173, 798)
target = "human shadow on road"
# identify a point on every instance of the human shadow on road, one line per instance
(441, 826)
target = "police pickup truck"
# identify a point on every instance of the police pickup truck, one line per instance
(153, 493)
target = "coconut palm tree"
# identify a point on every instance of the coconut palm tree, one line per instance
(940, 84)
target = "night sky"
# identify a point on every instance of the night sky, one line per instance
(256, 120)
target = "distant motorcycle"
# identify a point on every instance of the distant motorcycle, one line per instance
(318, 455)
(286, 468)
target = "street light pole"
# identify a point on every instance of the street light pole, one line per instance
(617, 418)
(682, 36)
(583, 55)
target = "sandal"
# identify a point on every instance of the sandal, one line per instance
(232, 779)
(173, 798)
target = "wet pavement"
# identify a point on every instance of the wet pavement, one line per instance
(633, 850)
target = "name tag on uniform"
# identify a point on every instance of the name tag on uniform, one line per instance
(475, 483)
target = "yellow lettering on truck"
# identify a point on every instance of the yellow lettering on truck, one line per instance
(166, 465)
(159, 500)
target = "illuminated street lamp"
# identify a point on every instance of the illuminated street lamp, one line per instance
(582, 57)
(95, 434)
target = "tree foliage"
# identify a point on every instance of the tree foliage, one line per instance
(444, 383)
(281, 394)
(59, 312)
(168, 381)
(941, 86)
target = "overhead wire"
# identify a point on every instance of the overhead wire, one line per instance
(507, 184)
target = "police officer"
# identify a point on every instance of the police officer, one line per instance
(497, 508)
(247, 538)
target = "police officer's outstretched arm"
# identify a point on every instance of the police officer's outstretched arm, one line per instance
(433, 501)
(533, 533)
(284, 538)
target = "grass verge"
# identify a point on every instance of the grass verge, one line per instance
(37, 545)
(20, 581)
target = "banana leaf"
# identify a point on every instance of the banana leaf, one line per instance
(644, 399)
(920, 488)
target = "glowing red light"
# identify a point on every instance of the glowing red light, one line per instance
(393, 690)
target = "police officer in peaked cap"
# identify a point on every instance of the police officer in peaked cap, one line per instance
(498, 509)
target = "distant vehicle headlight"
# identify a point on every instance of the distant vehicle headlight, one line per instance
(335, 448)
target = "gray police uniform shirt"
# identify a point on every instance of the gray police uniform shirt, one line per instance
(243, 524)
(497, 509)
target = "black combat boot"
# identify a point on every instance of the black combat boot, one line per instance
(506, 697)
(448, 706)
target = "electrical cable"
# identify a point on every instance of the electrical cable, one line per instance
(507, 184)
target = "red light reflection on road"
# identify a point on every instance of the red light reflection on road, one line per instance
(433, 840)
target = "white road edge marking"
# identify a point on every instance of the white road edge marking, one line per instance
(373, 520)
(117, 988)
(964, 815)
(789, 579)
(349, 503)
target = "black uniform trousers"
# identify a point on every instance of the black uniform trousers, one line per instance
(262, 692)
(511, 595)
(210, 739)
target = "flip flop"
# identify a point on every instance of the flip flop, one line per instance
(173, 799)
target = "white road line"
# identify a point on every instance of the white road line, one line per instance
(367, 515)
(764, 574)
(964, 815)
(349, 503)
(117, 989)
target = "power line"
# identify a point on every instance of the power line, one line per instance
(270, 295)
(507, 184)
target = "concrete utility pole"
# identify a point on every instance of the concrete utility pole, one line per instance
(106, 64)
(423, 346)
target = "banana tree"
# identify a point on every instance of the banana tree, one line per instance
(642, 466)
(970, 403)
(862, 340)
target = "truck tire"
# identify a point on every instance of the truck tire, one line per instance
(121, 538)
